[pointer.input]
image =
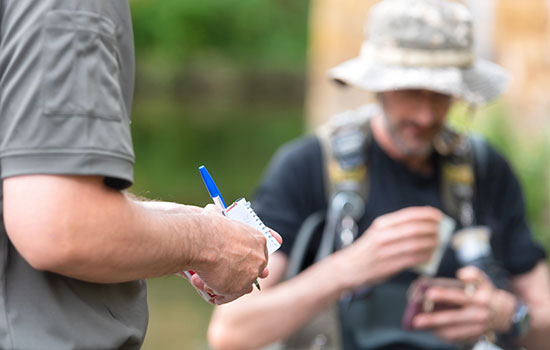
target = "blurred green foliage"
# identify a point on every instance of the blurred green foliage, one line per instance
(178, 317)
(172, 140)
(266, 33)
(221, 83)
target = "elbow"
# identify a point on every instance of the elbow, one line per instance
(50, 259)
(45, 247)
(50, 220)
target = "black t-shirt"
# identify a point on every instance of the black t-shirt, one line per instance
(293, 188)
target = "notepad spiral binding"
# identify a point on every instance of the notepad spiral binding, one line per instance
(242, 211)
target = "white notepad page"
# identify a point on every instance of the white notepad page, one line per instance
(243, 212)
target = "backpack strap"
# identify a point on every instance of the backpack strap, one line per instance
(344, 141)
(481, 154)
(304, 238)
(462, 156)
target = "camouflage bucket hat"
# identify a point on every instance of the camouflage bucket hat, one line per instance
(422, 44)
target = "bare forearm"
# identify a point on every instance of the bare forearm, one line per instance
(275, 313)
(539, 314)
(537, 338)
(534, 288)
(387, 247)
(127, 240)
(86, 231)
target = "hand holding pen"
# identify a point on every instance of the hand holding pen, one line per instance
(241, 254)
(217, 198)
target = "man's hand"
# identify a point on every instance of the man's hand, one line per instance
(240, 258)
(480, 309)
(394, 242)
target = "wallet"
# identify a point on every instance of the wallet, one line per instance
(417, 301)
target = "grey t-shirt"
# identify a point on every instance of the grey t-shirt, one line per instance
(66, 86)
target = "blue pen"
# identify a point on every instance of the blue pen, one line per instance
(216, 197)
(212, 189)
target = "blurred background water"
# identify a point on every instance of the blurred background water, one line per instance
(225, 82)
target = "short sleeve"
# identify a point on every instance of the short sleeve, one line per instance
(291, 189)
(504, 207)
(64, 107)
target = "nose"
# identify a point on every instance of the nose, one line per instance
(425, 114)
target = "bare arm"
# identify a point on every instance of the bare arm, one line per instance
(391, 244)
(78, 227)
(534, 288)
(264, 317)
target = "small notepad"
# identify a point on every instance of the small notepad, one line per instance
(242, 211)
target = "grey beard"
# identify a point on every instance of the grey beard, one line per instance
(422, 152)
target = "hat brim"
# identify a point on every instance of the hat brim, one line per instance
(477, 84)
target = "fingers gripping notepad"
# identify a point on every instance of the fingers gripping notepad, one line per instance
(242, 211)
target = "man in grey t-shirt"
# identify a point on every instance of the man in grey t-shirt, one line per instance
(74, 247)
